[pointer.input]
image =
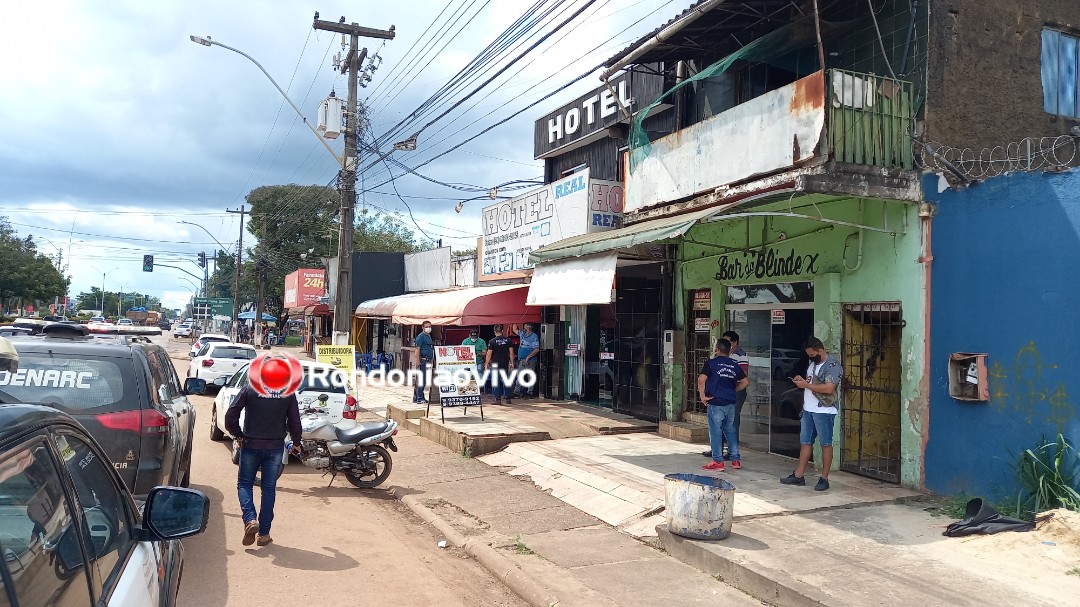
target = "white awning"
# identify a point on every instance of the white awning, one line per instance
(573, 281)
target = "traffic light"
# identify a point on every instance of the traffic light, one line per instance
(202, 260)
(147, 263)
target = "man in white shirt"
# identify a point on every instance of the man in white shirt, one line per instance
(821, 400)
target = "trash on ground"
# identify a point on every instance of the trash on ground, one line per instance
(443, 543)
(981, 519)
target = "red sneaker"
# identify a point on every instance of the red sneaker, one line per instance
(736, 465)
(717, 466)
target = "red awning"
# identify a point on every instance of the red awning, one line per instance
(312, 310)
(503, 304)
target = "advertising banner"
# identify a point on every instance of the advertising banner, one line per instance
(341, 357)
(569, 207)
(456, 368)
(304, 287)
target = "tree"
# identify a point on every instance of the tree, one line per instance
(25, 274)
(292, 221)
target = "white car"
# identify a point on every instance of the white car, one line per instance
(124, 322)
(182, 330)
(341, 405)
(98, 319)
(204, 339)
(220, 359)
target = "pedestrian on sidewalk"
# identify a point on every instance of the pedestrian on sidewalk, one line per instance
(480, 348)
(261, 443)
(718, 384)
(738, 355)
(528, 350)
(821, 402)
(500, 359)
(425, 350)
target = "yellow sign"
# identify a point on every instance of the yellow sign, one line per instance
(340, 357)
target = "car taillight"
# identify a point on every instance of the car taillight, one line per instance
(145, 421)
(349, 412)
(208, 362)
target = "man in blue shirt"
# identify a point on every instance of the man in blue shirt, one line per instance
(426, 350)
(528, 350)
(718, 385)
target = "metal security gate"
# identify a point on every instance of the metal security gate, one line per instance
(870, 394)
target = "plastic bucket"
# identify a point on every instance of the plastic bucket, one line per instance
(699, 507)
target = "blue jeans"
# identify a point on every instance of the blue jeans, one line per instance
(740, 400)
(252, 461)
(721, 427)
(816, 425)
(499, 389)
(418, 391)
(484, 388)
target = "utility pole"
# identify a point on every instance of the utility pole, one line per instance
(347, 183)
(234, 332)
(260, 272)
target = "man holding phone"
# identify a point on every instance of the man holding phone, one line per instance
(821, 391)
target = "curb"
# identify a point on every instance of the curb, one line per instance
(772, 587)
(503, 568)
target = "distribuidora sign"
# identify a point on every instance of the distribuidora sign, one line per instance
(569, 207)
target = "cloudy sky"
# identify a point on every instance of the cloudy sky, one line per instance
(114, 126)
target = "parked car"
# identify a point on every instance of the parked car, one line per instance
(182, 330)
(204, 339)
(220, 359)
(71, 533)
(341, 405)
(124, 390)
(785, 361)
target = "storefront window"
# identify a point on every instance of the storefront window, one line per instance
(779, 293)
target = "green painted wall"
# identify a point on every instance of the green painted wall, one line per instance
(828, 255)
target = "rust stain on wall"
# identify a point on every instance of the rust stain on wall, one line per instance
(809, 93)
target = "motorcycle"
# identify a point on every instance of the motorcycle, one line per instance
(361, 453)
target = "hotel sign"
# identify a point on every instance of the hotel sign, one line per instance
(588, 117)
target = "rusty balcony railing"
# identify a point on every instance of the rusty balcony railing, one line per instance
(869, 119)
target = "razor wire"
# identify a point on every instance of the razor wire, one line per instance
(1028, 154)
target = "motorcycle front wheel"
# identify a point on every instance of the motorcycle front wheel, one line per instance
(374, 476)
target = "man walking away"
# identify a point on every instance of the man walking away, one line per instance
(821, 399)
(500, 358)
(738, 355)
(262, 441)
(719, 381)
(528, 350)
(479, 347)
(426, 351)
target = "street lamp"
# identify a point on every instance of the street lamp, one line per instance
(192, 223)
(103, 274)
(209, 42)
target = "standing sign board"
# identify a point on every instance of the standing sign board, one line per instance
(459, 385)
(343, 358)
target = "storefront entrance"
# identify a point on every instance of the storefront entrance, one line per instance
(871, 396)
(773, 323)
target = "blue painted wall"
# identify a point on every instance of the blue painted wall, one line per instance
(1006, 281)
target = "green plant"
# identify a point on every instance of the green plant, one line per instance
(1074, 571)
(1048, 477)
(954, 506)
(521, 548)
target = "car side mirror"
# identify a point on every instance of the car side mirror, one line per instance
(191, 355)
(173, 513)
(220, 381)
(194, 385)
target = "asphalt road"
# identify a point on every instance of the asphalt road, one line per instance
(332, 545)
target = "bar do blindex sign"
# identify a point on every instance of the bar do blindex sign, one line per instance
(569, 207)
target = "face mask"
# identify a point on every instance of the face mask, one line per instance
(815, 359)
(427, 329)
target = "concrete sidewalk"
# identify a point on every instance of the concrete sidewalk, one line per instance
(548, 552)
(591, 507)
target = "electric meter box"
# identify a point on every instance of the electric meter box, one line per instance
(330, 117)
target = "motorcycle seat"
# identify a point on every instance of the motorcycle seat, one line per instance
(361, 431)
